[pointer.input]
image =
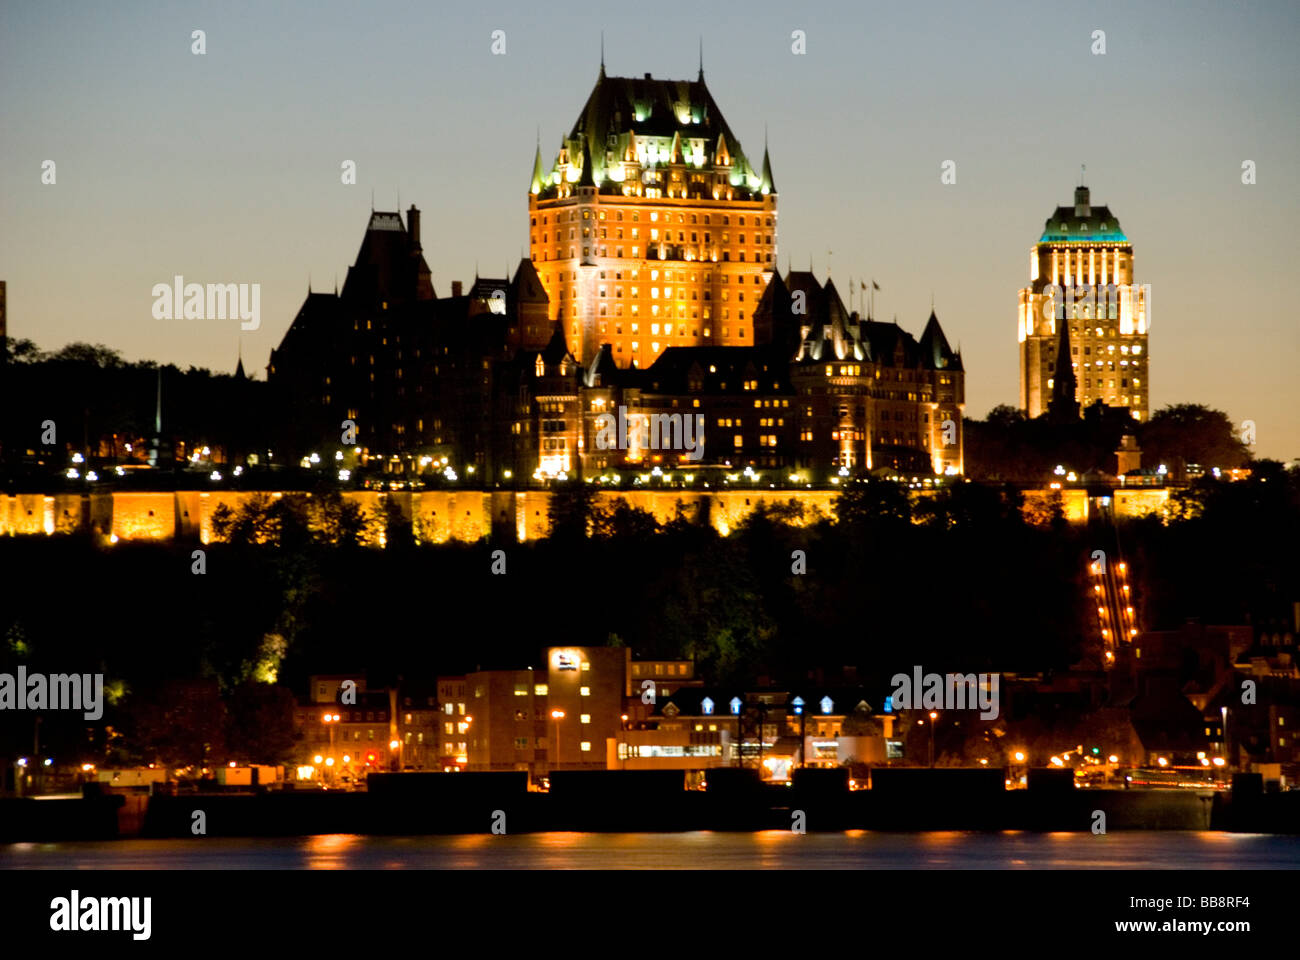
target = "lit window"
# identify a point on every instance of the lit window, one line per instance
(584, 691)
(585, 746)
(540, 690)
(585, 718)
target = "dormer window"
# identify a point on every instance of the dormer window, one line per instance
(539, 367)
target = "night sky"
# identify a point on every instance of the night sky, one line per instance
(226, 167)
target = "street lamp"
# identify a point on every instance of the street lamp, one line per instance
(1223, 714)
(329, 720)
(557, 716)
(624, 750)
(933, 717)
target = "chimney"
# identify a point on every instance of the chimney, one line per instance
(413, 226)
(456, 288)
(1082, 202)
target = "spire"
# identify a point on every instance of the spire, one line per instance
(239, 364)
(935, 350)
(1063, 405)
(602, 54)
(769, 184)
(538, 178)
(157, 425)
(701, 58)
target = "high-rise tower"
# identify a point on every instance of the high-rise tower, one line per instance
(1081, 275)
(652, 228)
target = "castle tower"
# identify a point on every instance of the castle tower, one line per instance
(1081, 276)
(652, 228)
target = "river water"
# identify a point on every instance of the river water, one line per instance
(851, 850)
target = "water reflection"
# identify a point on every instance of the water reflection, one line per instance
(771, 849)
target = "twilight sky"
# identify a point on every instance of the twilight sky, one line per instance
(226, 167)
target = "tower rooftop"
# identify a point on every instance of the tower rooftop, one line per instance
(653, 122)
(1082, 223)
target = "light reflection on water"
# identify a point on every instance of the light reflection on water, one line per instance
(770, 849)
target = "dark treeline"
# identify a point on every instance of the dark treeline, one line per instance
(1007, 447)
(100, 402)
(966, 580)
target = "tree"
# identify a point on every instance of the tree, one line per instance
(339, 522)
(94, 355)
(873, 502)
(571, 510)
(399, 532)
(184, 725)
(1195, 433)
(1005, 416)
(624, 521)
(260, 723)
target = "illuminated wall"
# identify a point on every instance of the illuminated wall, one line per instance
(144, 516)
(464, 516)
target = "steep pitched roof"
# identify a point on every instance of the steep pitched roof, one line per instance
(622, 110)
(557, 349)
(539, 177)
(389, 265)
(769, 183)
(603, 371)
(526, 286)
(934, 347)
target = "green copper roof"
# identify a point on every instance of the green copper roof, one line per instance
(539, 178)
(1082, 223)
(769, 184)
(670, 121)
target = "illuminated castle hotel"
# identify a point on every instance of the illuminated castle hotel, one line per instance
(652, 229)
(651, 290)
(1083, 322)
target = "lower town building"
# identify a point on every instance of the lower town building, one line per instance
(701, 728)
(559, 717)
(345, 730)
